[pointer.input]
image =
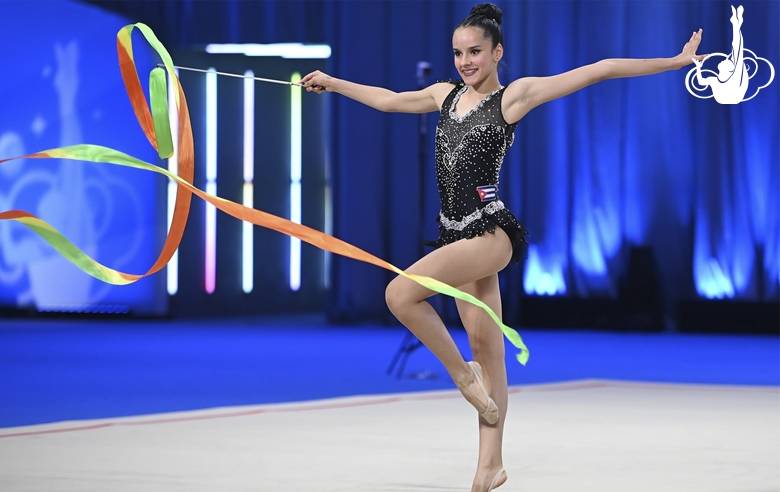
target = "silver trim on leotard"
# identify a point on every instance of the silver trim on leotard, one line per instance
(491, 208)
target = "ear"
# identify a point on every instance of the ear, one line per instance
(498, 53)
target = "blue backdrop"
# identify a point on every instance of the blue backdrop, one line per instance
(638, 162)
(61, 86)
(620, 164)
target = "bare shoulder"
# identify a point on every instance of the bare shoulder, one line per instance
(439, 91)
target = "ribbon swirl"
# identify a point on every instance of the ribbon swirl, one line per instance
(156, 127)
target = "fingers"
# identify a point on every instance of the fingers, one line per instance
(310, 75)
(689, 50)
(307, 79)
(693, 43)
(310, 82)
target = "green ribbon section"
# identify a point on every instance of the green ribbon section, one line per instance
(510, 333)
(158, 94)
(71, 251)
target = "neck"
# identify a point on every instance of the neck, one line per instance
(486, 86)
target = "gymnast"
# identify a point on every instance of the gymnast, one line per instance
(478, 235)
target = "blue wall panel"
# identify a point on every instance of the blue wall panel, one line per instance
(61, 86)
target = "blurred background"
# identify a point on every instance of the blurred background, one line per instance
(649, 209)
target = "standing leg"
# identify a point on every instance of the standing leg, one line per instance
(487, 346)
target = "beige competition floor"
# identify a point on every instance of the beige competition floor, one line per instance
(582, 436)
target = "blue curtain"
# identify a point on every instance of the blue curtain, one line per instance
(624, 163)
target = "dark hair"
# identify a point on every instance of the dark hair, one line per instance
(487, 17)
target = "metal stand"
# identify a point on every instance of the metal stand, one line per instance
(401, 357)
(410, 342)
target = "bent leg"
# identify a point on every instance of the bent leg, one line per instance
(459, 263)
(487, 345)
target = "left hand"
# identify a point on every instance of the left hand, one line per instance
(689, 50)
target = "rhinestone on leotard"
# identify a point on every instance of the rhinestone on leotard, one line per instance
(470, 150)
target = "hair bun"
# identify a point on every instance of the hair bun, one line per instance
(487, 10)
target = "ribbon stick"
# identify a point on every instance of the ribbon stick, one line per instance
(259, 79)
(157, 130)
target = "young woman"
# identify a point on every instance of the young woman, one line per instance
(478, 235)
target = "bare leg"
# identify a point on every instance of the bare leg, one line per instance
(487, 345)
(460, 263)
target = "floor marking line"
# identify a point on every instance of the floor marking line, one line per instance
(373, 401)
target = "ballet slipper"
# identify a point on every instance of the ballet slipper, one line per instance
(491, 413)
(495, 483)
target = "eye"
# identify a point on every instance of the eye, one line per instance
(474, 52)
(457, 53)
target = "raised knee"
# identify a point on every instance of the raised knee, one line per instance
(394, 297)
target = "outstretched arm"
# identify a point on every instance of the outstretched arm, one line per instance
(524, 94)
(422, 101)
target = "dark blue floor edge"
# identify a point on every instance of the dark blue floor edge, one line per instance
(54, 370)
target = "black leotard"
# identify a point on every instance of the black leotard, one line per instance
(469, 152)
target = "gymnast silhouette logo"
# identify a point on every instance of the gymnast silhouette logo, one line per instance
(730, 84)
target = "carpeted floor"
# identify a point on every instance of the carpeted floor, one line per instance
(587, 436)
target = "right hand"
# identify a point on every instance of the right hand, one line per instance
(317, 82)
(689, 51)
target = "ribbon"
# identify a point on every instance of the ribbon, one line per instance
(156, 127)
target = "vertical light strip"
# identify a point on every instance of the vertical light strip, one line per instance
(211, 179)
(328, 229)
(172, 268)
(247, 245)
(295, 179)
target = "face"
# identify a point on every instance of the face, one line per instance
(475, 58)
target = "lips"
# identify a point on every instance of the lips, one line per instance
(469, 72)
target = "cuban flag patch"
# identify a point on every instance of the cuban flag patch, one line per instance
(487, 193)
